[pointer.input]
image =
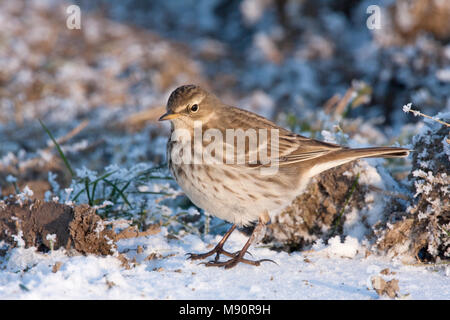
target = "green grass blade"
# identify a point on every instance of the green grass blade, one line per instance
(61, 153)
(95, 182)
(153, 192)
(347, 201)
(86, 187)
(75, 198)
(119, 191)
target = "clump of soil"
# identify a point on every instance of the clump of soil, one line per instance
(410, 18)
(382, 287)
(424, 230)
(319, 213)
(39, 188)
(37, 222)
(32, 173)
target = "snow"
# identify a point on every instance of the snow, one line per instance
(407, 107)
(347, 249)
(338, 270)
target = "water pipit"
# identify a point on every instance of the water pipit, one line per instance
(241, 167)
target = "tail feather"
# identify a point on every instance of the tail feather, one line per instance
(339, 157)
(375, 152)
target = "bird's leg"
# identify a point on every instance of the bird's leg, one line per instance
(239, 257)
(218, 249)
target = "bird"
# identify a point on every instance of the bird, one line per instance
(241, 192)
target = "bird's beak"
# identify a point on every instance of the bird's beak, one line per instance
(168, 116)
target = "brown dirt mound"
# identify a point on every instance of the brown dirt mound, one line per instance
(424, 230)
(413, 17)
(318, 212)
(78, 227)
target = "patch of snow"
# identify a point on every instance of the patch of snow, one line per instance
(299, 275)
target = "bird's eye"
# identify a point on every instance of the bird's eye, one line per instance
(194, 108)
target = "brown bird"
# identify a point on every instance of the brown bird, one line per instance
(244, 182)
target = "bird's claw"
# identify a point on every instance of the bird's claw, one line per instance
(234, 261)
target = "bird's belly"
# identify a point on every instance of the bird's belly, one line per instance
(230, 194)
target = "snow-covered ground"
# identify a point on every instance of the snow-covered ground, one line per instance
(336, 271)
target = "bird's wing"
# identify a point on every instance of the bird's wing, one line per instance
(296, 148)
(285, 148)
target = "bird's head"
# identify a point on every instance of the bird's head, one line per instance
(189, 103)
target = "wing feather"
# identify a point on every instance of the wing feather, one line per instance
(292, 148)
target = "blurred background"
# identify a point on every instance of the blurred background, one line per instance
(318, 67)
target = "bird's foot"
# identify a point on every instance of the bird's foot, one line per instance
(234, 261)
(218, 250)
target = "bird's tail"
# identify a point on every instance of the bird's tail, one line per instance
(342, 156)
(375, 152)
